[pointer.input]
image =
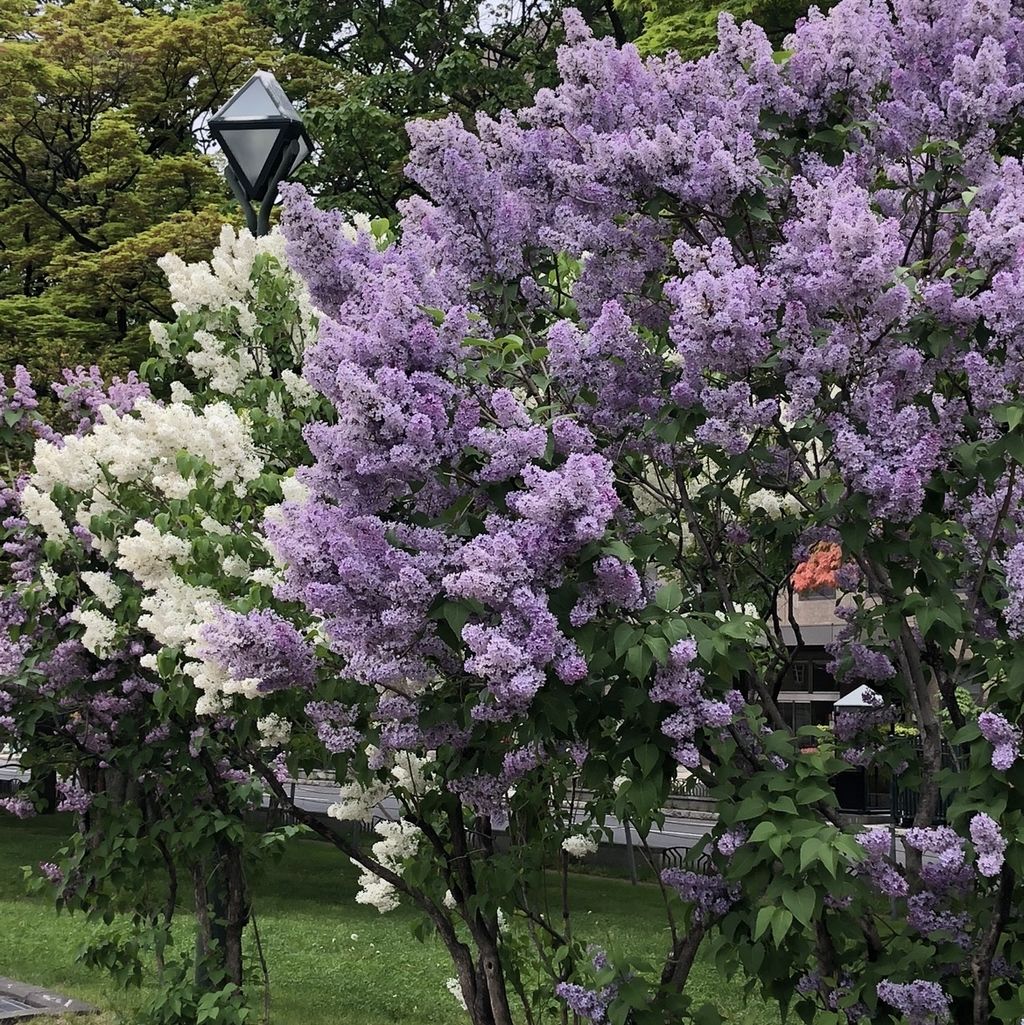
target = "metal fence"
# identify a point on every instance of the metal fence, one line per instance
(8, 784)
(905, 807)
(683, 857)
(692, 789)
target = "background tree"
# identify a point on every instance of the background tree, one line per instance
(398, 61)
(690, 27)
(161, 814)
(100, 172)
(671, 344)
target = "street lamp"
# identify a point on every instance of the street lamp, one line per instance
(264, 141)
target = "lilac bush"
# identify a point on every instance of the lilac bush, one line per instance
(643, 364)
(645, 358)
(124, 540)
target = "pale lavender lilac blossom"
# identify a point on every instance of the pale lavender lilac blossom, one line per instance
(83, 393)
(333, 724)
(710, 895)
(679, 684)
(259, 645)
(1004, 738)
(989, 844)
(920, 1001)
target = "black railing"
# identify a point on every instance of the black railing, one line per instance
(692, 789)
(682, 857)
(905, 804)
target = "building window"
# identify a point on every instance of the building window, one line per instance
(808, 692)
(809, 673)
(806, 713)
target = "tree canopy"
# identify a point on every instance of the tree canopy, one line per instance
(99, 169)
(398, 61)
(104, 163)
(691, 28)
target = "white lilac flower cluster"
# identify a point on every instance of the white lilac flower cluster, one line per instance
(102, 585)
(411, 773)
(149, 554)
(41, 511)
(172, 609)
(579, 845)
(131, 462)
(772, 504)
(399, 842)
(356, 803)
(143, 446)
(49, 579)
(100, 630)
(225, 293)
(275, 731)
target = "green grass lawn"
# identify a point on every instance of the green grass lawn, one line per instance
(332, 961)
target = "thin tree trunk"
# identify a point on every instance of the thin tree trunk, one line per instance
(236, 909)
(203, 926)
(985, 951)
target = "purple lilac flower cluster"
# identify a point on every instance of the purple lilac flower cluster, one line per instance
(259, 645)
(486, 795)
(860, 728)
(51, 872)
(854, 661)
(989, 844)
(1014, 611)
(616, 585)
(588, 1004)
(72, 797)
(20, 402)
(945, 876)
(710, 895)
(878, 867)
(83, 392)
(947, 869)
(678, 684)
(927, 916)
(1004, 738)
(333, 723)
(921, 1002)
(732, 840)
(23, 546)
(20, 807)
(575, 173)
(812, 984)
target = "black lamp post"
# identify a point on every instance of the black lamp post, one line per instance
(264, 141)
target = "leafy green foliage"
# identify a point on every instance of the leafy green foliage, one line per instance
(99, 170)
(690, 27)
(408, 60)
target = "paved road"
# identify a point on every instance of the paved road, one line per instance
(680, 829)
